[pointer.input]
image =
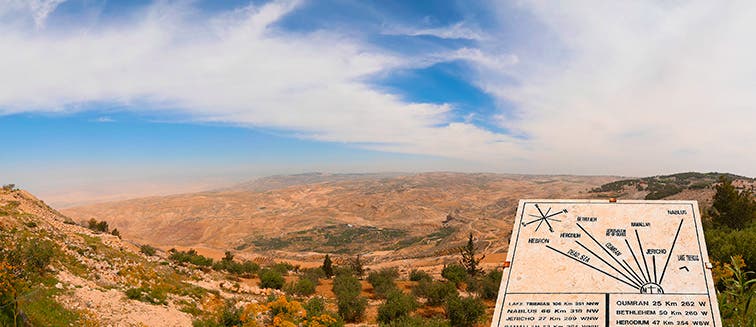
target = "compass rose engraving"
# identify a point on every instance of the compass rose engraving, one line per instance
(544, 217)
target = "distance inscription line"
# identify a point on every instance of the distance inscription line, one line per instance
(653, 258)
(548, 223)
(608, 264)
(556, 213)
(532, 221)
(670, 251)
(645, 263)
(607, 251)
(633, 272)
(597, 269)
(636, 259)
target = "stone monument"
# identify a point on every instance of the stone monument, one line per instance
(607, 263)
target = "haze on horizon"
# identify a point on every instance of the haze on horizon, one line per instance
(110, 99)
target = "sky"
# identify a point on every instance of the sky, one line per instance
(103, 100)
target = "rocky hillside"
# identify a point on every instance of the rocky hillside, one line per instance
(56, 273)
(682, 186)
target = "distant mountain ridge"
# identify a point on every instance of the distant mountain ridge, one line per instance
(662, 186)
(274, 182)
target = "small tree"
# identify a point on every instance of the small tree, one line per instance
(454, 273)
(96, 226)
(383, 282)
(228, 257)
(115, 232)
(435, 293)
(397, 305)
(327, 266)
(147, 249)
(417, 275)
(348, 300)
(469, 261)
(732, 208)
(464, 312)
(487, 286)
(92, 224)
(303, 287)
(357, 266)
(270, 278)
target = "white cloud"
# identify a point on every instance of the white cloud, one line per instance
(629, 87)
(639, 87)
(233, 68)
(104, 119)
(459, 30)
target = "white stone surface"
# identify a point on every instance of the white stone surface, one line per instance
(599, 263)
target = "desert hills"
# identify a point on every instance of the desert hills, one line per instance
(382, 217)
(408, 218)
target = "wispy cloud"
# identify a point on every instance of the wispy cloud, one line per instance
(460, 30)
(37, 10)
(103, 119)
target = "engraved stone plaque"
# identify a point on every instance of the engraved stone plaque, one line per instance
(600, 263)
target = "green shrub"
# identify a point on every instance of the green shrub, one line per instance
(246, 268)
(270, 278)
(736, 300)
(408, 321)
(724, 243)
(315, 307)
(23, 271)
(303, 287)
(282, 268)
(417, 275)
(96, 226)
(37, 256)
(346, 286)
(147, 249)
(486, 286)
(313, 274)
(435, 293)
(348, 300)
(464, 312)
(383, 282)
(134, 293)
(351, 309)
(455, 274)
(343, 270)
(190, 256)
(397, 305)
(149, 295)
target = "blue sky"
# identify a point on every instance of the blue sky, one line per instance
(110, 99)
